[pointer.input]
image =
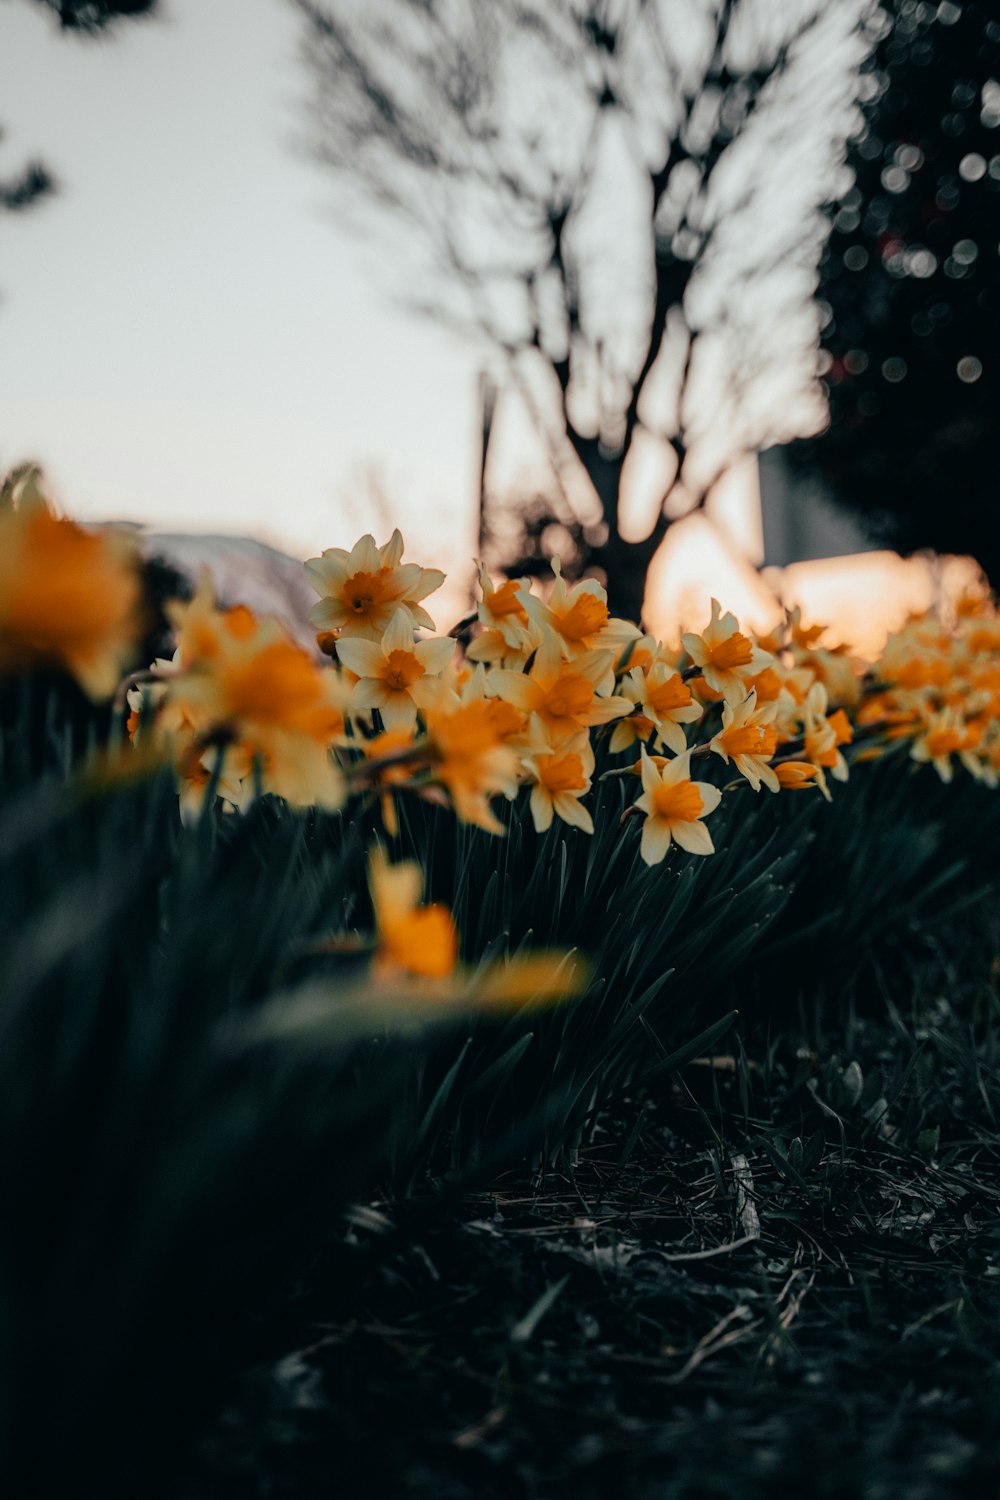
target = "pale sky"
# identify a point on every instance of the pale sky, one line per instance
(190, 338)
(186, 335)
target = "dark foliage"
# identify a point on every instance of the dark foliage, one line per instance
(617, 1330)
(95, 15)
(911, 284)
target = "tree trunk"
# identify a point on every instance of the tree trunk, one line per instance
(625, 564)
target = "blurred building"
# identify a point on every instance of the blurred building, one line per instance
(244, 571)
(800, 521)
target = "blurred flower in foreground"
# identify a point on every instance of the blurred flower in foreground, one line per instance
(69, 598)
(421, 942)
(417, 939)
(245, 691)
(342, 1012)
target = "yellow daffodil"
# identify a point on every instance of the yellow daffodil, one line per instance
(636, 729)
(415, 939)
(244, 682)
(644, 652)
(578, 615)
(822, 738)
(469, 752)
(795, 775)
(558, 780)
(942, 737)
(508, 634)
(767, 685)
(748, 739)
(725, 655)
(667, 701)
(69, 598)
(387, 670)
(361, 590)
(674, 806)
(564, 694)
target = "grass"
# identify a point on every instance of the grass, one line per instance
(780, 1275)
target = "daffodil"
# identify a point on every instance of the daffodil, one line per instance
(558, 780)
(643, 652)
(725, 655)
(508, 634)
(69, 598)
(942, 737)
(822, 738)
(749, 741)
(578, 615)
(412, 938)
(674, 806)
(361, 590)
(766, 684)
(387, 670)
(665, 700)
(469, 752)
(795, 775)
(564, 694)
(243, 682)
(636, 729)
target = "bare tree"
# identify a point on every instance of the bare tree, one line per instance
(623, 199)
(29, 183)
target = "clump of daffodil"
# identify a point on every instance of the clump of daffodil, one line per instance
(245, 709)
(674, 807)
(361, 590)
(70, 598)
(725, 656)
